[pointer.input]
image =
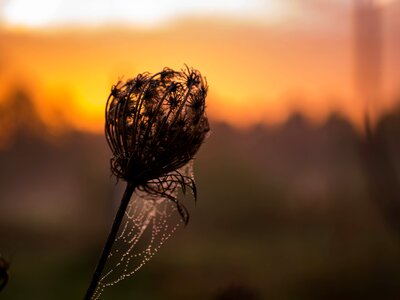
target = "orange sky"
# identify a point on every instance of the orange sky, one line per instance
(256, 73)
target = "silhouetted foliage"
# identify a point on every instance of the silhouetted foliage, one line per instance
(3, 272)
(19, 118)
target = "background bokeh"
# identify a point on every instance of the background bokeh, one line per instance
(298, 183)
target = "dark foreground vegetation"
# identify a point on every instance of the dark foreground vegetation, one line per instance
(293, 212)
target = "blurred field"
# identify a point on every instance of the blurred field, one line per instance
(284, 212)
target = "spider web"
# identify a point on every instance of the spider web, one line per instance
(148, 223)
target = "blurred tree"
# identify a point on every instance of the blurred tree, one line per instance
(382, 179)
(19, 117)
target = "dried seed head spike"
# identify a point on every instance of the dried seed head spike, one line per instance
(155, 124)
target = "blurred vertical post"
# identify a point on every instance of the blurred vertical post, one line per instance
(381, 177)
(368, 55)
(392, 26)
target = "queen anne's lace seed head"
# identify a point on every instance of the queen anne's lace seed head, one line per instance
(155, 124)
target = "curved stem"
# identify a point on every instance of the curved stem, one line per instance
(130, 188)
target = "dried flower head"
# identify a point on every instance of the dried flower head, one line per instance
(155, 124)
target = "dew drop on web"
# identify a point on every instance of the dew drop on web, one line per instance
(148, 223)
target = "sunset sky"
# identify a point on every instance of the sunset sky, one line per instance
(263, 59)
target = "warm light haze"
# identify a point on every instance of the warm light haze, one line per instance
(150, 13)
(289, 167)
(263, 59)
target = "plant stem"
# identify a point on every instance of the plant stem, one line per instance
(130, 188)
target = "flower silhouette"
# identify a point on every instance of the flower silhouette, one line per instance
(155, 124)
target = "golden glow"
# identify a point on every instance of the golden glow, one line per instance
(147, 13)
(384, 2)
(257, 73)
